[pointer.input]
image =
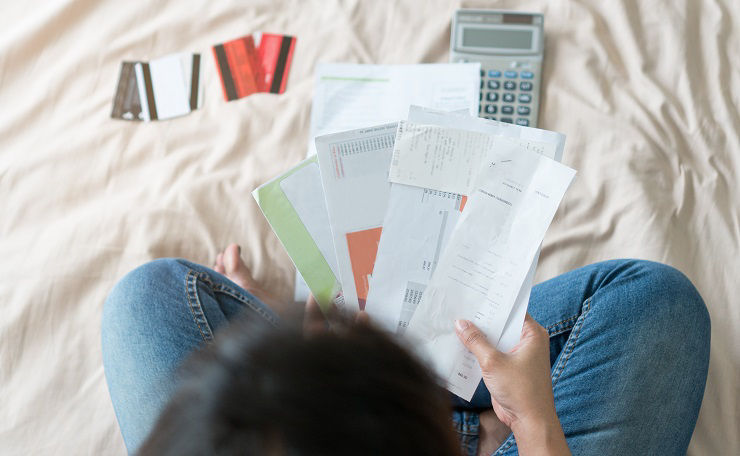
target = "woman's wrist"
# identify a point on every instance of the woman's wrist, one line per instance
(540, 436)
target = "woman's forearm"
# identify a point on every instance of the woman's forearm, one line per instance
(540, 436)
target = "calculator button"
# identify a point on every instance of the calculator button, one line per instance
(507, 120)
(490, 118)
(525, 86)
(481, 83)
(482, 73)
(525, 98)
(494, 74)
(491, 109)
(522, 110)
(508, 97)
(494, 85)
(526, 75)
(510, 74)
(507, 109)
(510, 85)
(492, 96)
(480, 96)
(522, 122)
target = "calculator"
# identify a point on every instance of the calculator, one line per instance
(510, 47)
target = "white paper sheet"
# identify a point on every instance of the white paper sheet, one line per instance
(349, 96)
(487, 259)
(416, 228)
(446, 159)
(354, 174)
(305, 192)
(551, 143)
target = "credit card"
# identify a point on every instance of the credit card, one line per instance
(236, 64)
(169, 86)
(126, 103)
(274, 53)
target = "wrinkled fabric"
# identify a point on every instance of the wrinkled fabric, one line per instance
(646, 92)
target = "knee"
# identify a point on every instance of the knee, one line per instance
(667, 303)
(133, 298)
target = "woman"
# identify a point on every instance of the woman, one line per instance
(613, 360)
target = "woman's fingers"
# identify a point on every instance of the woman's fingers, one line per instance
(362, 318)
(313, 318)
(475, 341)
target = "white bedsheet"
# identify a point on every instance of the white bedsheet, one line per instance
(646, 91)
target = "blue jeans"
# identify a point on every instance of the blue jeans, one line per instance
(629, 349)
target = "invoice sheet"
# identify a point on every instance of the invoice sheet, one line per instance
(354, 174)
(487, 259)
(544, 142)
(444, 158)
(416, 228)
(349, 95)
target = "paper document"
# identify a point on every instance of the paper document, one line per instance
(293, 204)
(349, 96)
(544, 142)
(445, 159)
(354, 173)
(416, 228)
(487, 259)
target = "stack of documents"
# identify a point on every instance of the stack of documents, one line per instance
(423, 221)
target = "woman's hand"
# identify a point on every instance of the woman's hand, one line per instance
(315, 322)
(520, 386)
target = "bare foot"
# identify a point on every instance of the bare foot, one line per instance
(492, 433)
(230, 263)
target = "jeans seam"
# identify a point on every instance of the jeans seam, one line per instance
(572, 341)
(196, 309)
(246, 300)
(549, 328)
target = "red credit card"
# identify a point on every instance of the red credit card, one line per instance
(236, 61)
(275, 53)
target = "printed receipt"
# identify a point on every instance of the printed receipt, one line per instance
(449, 159)
(487, 259)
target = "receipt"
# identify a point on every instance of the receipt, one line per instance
(447, 159)
(487, 259)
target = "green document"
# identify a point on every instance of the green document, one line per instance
(294, 205)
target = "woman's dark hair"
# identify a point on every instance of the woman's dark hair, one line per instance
(265, 390)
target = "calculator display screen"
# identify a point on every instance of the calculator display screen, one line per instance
(497, 38)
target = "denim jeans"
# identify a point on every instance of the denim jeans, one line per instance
(629, 349)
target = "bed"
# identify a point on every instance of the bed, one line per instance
(646, 91)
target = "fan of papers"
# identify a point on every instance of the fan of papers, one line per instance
(423, 221)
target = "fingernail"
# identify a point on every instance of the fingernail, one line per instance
(461, 325)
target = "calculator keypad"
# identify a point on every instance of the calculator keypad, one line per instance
(508, 93)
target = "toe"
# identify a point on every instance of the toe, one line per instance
(219, 266)
(235, 269)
